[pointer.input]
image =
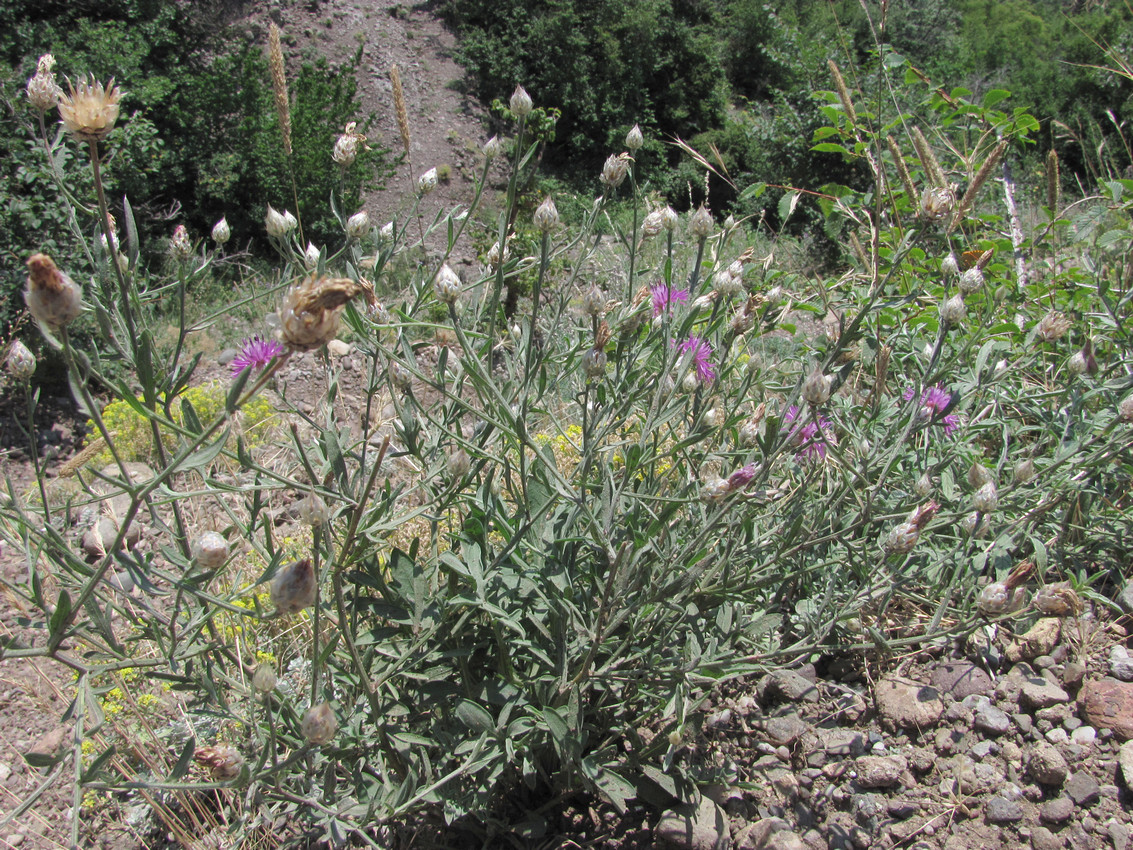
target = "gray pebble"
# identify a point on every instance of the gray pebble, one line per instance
(1001, 810)
(1058, 810)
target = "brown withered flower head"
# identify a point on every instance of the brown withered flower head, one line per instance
(90, 110)
(52, 297)
(311, 310)
(294, 587)
(42, 91)
(223, 762)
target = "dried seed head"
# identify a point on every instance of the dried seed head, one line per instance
(264, 679)
(700, 225)
(210, 551)
(347, 144)
(615, 170)
(594, 363)
(294, 587)
(53, 299)
(1053, 180)
(715, 490)
(843, 92)
(1058, 600)
(399, 107)
(1024, 471)
(493, 147)
(311, 309)
(311, 257)
(1052, 327)
(223, 762)
(994, 599)
(221, 232)
(43, 92)
(446, 285)
(427, 182)
(546, 217)
(90, 110)
(634, 139)
(20, 362)
(978, 476)
(520, 103)
(319, 724)
(937, 203)
(594, 303)
(950, 266)
(358, 225)
(978, 181)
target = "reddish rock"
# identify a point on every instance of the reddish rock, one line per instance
(1108, 703)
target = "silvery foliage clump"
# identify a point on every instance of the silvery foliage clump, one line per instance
(657, 486)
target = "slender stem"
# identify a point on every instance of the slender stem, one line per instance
(123, 290)
(33, 447)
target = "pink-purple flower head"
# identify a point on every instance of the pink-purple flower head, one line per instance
(741, 477)
(935, 403)
(664, 297)
(256, 353)
(700, 352)
(810, 438)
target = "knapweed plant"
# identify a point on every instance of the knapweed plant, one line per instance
(674, 462)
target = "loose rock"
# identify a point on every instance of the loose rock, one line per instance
(961, 679)
(787, 685)
(1108, 704)
(880, 771)
(1058, 810)
(1001, 810)
(703, 827)
(908, 705)
(1047, 766)
(1121, 664)
(1125, 760)
(1037, 692)
(1041, 639)
(1082, 789)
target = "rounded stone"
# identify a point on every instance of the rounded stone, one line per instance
(1058, 810)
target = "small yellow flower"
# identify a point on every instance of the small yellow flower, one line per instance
(90, 110)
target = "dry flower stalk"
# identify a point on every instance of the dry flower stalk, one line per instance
(311, 309)
(978, 181)
(279, 86)
(843, 92)
(399, 107)
(902, 169)
(1053, 180)
(928, 159)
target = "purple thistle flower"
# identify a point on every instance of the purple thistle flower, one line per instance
(701, 351)
(810, 439)
(664, 297)
(741, 477)
(934, 402)
(255, 353)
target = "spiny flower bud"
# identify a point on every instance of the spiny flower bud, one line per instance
(180, 246)
(43, 92)
(493, 147)
(520, 103)
(700, 224)
(715, 490)
(279, 224)
(950, 266)
(1024, 471)
(90, 110)
(904, 537)
(221, 232)
(923, 486)
(816, 388)
(546, 217)
(652, 224)
(594, 303)
(224, 762)
(634, 139)
(997, 598)
(311, 309)
(294, 588)
(264, 679)
(210, 551)
(615, 170)
(446, 285)
(20, 362)
(952, 310)
(53, 299)
(1076, 365)
(399, 376)
(971, 280)
(319, 724)
(986, 498)
(594, 363)
(493, 258)
(311, 257)
(978, 475)
(358, 225)
(458, 465)
(313, 511)
(386, 233)
(427, 182)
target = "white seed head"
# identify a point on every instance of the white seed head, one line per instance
(615, 170)
(715, 490)
(221, 232)
(950, 266)
(634, 139)
(937, 203)
(952, 310)
(493, 147)
(700, 225)
(546, 217)
(971, 280)
(520, 103)
(816, 388)
(427, 182)
(311, 257)
(986, 498)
